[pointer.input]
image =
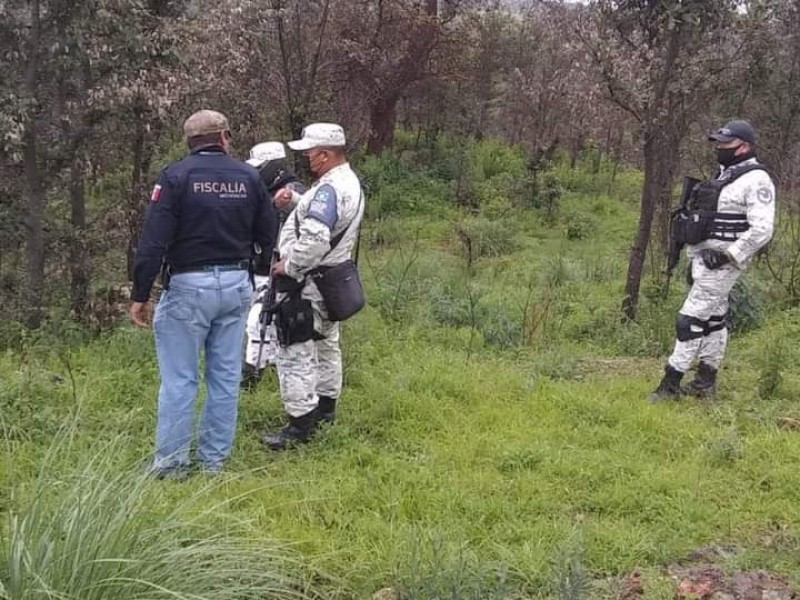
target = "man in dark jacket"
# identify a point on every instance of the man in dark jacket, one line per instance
(205, 214)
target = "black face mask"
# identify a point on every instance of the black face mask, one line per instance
(725, 156)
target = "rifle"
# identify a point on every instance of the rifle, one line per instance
(675, 247)
(265, 317)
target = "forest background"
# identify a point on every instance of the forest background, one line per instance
(520, 160)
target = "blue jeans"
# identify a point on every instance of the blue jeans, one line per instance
(200, 311)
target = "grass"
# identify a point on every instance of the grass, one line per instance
(494, 438)
(107, 532)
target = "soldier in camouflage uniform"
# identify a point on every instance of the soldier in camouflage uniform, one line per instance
(321, 231)
(741, 223)
(262, 343)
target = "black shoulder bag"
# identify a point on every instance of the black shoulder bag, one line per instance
(340, 285)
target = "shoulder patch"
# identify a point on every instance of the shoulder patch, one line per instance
(764, 194)
(323, 206)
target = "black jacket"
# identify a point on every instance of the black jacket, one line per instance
(206, 209)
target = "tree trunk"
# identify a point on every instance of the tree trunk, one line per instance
(79, 245)
(34, 246)
(382, 120)
(135, 197)
(142, 158)
(658, 160)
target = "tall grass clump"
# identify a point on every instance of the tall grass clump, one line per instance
(570, 577)
(437, 570)
(772, 364)
(98, 535)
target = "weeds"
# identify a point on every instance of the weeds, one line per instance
(95, 535)
(443, 478)
(773, 363)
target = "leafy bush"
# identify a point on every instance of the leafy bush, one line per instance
(480, 238)
(391, 187)
(579, 226)
(746, 308)
(470, 308)
(489, 158)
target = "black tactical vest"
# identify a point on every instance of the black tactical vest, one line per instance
(698, 220)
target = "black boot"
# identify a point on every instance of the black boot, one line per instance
(250, 377)
(670, 386)
(298, 431)
(326, 410)
(704, 384)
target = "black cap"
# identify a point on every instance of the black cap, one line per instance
(275, 175)
(733, 130)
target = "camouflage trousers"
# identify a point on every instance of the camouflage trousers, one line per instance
(257, 350)
(702, 320)
(310, 369)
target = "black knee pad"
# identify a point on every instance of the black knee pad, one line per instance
(689, 328)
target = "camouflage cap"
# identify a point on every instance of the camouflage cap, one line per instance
(319, 135)
(265, 152)
(204, 122)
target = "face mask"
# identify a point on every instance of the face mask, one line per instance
(725, 156)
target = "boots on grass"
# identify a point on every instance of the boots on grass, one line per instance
(299, 430)
(670, 386)
(326, 410)
(704, 384)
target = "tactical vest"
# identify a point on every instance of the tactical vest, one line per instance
(698, 220)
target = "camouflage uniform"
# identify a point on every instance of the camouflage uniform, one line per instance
(268, 349)
(270, 159)
(313, 368)
(702, 327)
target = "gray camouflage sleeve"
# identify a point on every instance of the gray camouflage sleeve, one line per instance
(314, 240)
(760, 199)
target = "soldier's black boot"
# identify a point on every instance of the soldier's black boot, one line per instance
(250, 377)
(670, 386)
(326, 410)
(298, 431)
(704, 384)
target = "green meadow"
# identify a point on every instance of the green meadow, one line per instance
(494, 439)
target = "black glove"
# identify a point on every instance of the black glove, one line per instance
(714, 259)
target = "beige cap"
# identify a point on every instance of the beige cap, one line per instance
(265, 152)
(319, 135)
(205, 121)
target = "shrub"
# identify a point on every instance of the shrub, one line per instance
(480, 238)
(391, 187)
(746, 308)
(489, 158)
(470, 308)
(579, 226)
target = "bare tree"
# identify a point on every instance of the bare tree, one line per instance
(660, 62)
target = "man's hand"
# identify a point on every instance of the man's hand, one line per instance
(283, 198)
(714, 259)
(279, 268)
(140, 314)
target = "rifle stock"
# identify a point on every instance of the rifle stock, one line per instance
(674, 253)
(265, 317)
